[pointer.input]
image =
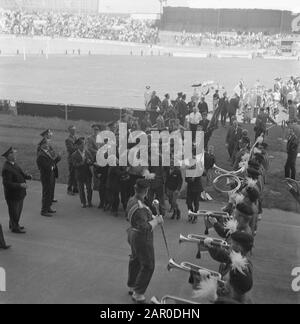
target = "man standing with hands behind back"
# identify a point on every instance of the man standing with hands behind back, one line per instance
(14, 182)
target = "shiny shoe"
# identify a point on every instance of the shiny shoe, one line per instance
(5, 247)
(139, 299)
(46, 214)
(18, 231)
(51, 211)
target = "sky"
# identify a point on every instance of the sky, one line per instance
(153, 6)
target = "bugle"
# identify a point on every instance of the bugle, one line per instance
(170, 300)
(199, 239)
(190, 267)
(222, 217)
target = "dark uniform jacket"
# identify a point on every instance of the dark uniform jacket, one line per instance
(82, 166)
(194, 184)
(292, 145)
(46, 164)
(13, 176)
(234, 135)
(139, 216)
(203, 107)
(233, 106)
(70, 145)
(223, 105)
(174, 180)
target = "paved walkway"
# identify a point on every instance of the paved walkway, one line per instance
(81, 256)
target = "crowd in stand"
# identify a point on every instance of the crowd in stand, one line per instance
(54, 24)
(228, 40)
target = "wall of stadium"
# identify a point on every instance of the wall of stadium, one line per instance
(81, 6)
(199, 20)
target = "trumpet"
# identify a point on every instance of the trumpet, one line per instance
(222, 217)
(199, 239)
(189, 267)
(171, 300)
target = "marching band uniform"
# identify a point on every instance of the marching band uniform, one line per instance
(46, 165)
(14, 183)
(82, 161)
(71, 148)
(140, 238)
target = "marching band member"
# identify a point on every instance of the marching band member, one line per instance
(242, 214)
(140, 238)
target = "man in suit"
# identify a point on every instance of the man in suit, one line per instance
(233, 137)
(82, 161)
(223, 106)
(47, 135)
(71, 148)
(92, 146)
(203, 107)
(14, 183)
(292, 152)
(46, 165)
(233, 107)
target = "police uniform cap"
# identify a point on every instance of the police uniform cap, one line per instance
(71, 127)
(142, 184)
(46, 132)
(94, 126)
(244, 239)
(9, 151)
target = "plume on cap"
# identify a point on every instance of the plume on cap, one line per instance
(231, 226)
(246, 157)
(239, 198)
(243, 165)
(260, 140)
(238, 262)
(207, 291)
(251, 183)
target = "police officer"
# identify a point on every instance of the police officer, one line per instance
(14, 182)
(140, 238)
(46, 165)
(47, 135)
(71, 148)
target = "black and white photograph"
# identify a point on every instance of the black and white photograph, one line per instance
(149, 154)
